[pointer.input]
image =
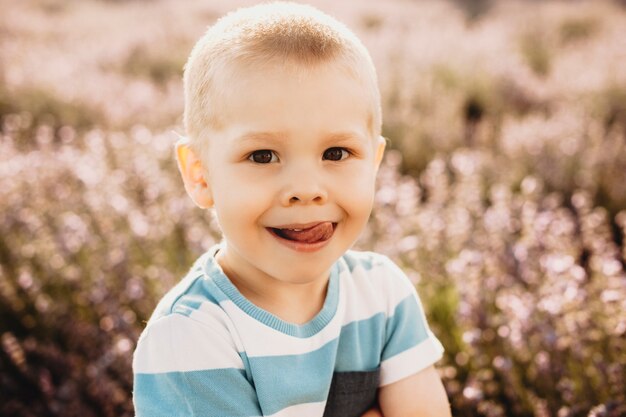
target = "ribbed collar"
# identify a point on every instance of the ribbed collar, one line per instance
(213, 270)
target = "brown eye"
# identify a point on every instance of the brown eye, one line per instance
(335, 154)
(264, 156)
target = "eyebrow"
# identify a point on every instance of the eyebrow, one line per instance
(278, 137)
(261, 137)
(346, 137)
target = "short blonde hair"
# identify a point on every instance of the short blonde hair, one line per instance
(276, 33)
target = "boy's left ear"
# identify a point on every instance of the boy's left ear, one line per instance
(381, 143)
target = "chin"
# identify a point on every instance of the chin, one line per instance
(304, 275)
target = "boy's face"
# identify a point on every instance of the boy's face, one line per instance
(293, 153)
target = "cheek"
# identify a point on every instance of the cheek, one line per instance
(231, 185)
(356, 193)
(238, 195)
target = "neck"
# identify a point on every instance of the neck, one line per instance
(296, 303)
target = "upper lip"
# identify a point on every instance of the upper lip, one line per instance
(301, 225)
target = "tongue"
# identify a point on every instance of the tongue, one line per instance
(317, 233)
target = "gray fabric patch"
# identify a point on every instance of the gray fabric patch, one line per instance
(352, 393)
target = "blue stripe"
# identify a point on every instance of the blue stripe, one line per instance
(185, 310)
(323, 317)
(201, 290)
(363, 259)
(210, 393)
(405, 329)
(286, 380)
(283, 381)
(279, 381)
(360, 344)
(246, 364)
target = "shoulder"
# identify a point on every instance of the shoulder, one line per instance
(188, 319)
(377, 270)
(177, 343)
(194, 294)
(373, 279)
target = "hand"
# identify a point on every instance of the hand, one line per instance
(373, 412)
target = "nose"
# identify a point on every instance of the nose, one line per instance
(303, 189)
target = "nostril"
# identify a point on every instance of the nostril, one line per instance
(304, 198)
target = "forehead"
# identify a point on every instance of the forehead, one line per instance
(275, 97)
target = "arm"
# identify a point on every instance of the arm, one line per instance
(419, 395)
(183, 367)
(410, 386)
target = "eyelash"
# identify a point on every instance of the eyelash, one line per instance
(274, 158)
(261, 151)
(345, 152)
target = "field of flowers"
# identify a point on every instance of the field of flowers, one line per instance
(503, 194)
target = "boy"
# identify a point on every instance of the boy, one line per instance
(282, 112)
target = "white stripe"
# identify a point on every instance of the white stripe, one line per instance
(212, 313)
(410, 361)
(262, 340)
(374, 291)
(302, 410)
(362, 294)
(178, 343)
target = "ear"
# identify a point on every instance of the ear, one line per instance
(192, 171)
(381, 144)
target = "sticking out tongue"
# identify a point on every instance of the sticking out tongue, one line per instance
(317, 233)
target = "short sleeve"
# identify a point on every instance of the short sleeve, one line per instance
(183, 367)
(410, 346)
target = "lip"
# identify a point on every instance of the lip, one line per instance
(301, 246)
(301, 225)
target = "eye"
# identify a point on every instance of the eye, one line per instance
(336, 154)
(263, 156)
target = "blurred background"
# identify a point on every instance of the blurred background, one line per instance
(503, 195)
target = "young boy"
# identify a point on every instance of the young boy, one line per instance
(282, 112)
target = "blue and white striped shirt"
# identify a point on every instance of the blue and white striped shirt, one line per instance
(208, 351)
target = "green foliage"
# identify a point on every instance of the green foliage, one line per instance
(159, 65)
(536, 50)
(577, 28)
(610, 105)
(44, 107)
(372, 22)
(473, 9)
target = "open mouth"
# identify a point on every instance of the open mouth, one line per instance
(319, 232)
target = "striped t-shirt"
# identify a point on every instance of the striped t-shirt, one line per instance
(208, 351)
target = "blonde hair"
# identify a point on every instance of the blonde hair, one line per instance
(260, 36)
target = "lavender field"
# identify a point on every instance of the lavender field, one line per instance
(503, 195)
